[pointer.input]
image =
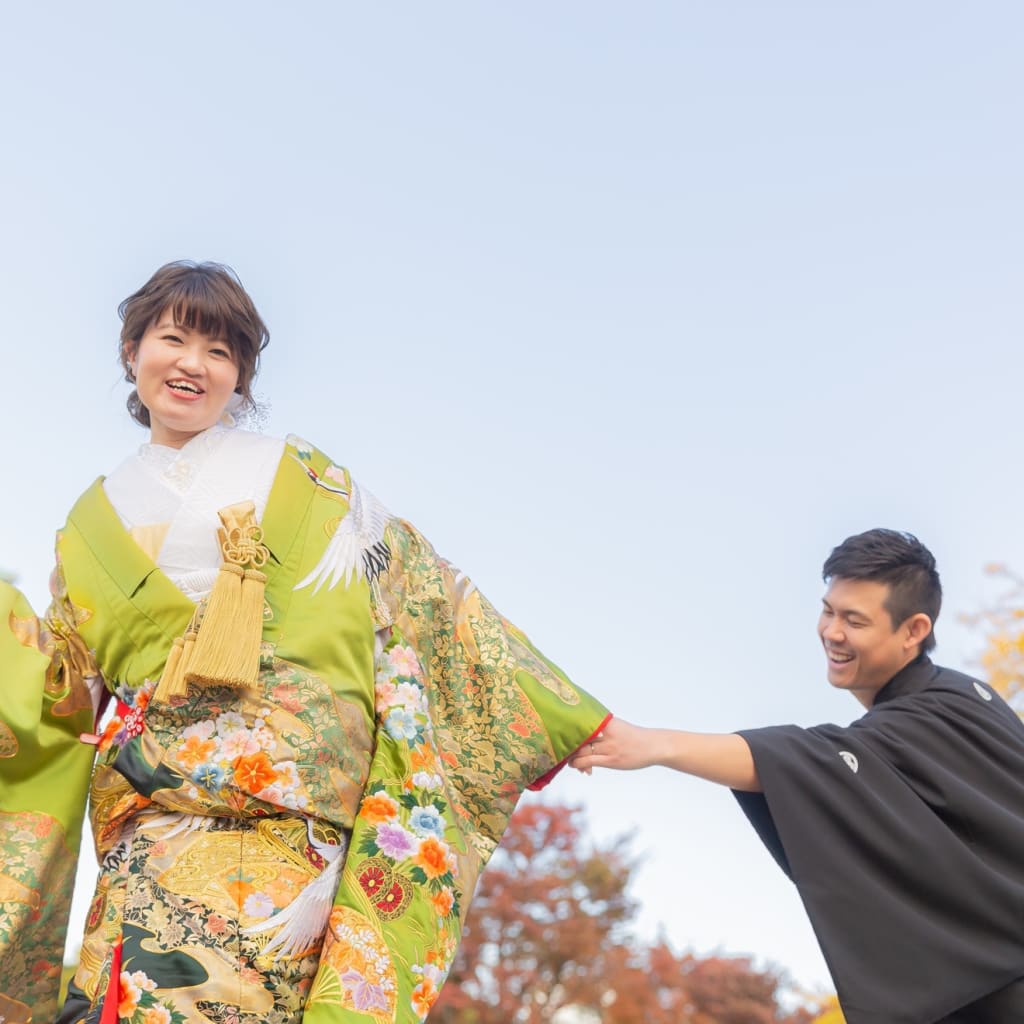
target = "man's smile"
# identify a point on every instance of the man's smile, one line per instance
(838, 657)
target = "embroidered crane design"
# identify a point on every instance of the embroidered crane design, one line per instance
(357, 548)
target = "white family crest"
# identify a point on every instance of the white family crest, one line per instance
(851, 760)
(982, 692)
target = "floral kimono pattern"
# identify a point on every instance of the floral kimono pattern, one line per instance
(44, 773)
(301, 849)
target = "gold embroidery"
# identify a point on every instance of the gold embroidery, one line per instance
(71, 662)
(224, 868)
(286, 839)
(8, 741)
(13, 1012)
(12, 891)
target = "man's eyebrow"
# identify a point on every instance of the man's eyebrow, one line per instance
(855, 613)
(847, 612)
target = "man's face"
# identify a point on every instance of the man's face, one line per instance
(863, 647)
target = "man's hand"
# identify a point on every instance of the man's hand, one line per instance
(618, 745)
(723, 758)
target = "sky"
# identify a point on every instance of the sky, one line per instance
(634, 310)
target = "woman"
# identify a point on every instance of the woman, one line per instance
(321, 727)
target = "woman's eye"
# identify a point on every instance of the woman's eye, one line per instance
(221, 352)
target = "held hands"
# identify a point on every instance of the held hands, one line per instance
(724, 758)
(618, 745)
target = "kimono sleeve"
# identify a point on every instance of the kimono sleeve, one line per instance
(45, 675)
(506, 717)
(468, 715)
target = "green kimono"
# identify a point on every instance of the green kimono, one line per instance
(305, 849)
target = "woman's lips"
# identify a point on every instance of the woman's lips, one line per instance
(185, 389)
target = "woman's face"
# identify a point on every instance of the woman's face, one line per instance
(184, 378)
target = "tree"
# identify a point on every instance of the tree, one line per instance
(830, 1013)
(548, 940)
(544, 913)
(1002, 624)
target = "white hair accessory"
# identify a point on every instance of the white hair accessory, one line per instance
(246, 415)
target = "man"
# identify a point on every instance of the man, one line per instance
(904, 832)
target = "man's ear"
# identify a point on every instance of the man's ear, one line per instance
(917, 628)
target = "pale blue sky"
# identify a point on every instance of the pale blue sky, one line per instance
(635, 310)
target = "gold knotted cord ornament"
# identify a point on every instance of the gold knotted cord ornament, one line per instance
(221, 647)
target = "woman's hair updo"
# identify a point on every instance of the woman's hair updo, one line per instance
(204, 297)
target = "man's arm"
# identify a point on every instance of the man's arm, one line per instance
(724, 758)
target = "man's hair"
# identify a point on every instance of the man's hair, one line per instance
(899, 560)
(205, 297)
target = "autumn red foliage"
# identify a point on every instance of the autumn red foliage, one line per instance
(549, 940)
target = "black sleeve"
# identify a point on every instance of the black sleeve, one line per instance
(913, 923)
(755, 807)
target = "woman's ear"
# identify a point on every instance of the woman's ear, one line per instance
(130, 351)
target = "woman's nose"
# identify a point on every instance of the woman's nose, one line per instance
(190, 359)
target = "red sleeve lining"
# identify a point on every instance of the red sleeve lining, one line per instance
(539, 784)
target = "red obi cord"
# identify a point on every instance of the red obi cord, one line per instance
(112, 999)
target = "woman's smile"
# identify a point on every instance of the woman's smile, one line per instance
(185, 378)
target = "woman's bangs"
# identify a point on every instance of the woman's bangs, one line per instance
(199, 308)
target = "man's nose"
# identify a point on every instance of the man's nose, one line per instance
(833, 630)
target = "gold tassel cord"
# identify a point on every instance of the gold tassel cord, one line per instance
(186, 652)
(168, 685)
(172, 680)
(227, 649)
(217, 657)
(221, 646)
